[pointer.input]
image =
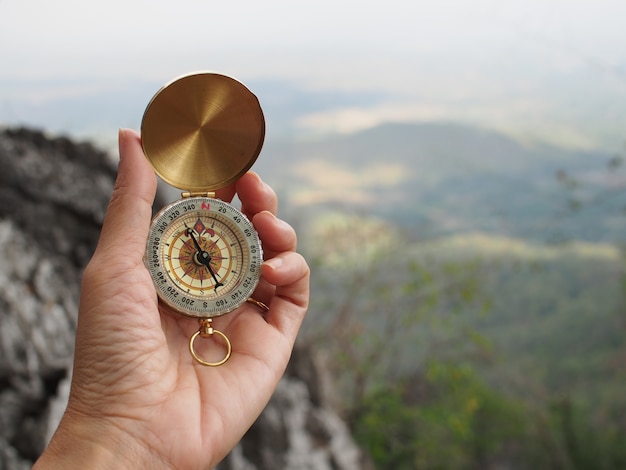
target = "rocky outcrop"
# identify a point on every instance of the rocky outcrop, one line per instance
(53, 195)
(297, 430)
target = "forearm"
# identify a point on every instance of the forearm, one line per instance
(86, 443)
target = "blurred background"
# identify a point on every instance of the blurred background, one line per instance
(455, 171)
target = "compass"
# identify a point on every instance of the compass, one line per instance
(201, 132)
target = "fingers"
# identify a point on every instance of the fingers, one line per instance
(127, 221)
(290, 274)
(276, 235)
(255, 195)
(286, 270)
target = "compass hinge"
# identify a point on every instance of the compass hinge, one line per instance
(186, 194)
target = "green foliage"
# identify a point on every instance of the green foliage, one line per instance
(369, 304)
(386, 427)
(446, 418)
(589, 445)
(462, 358)
(449, 418)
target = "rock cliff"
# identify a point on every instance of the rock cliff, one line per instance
(53, 195)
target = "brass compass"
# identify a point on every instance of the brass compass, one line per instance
(201, 132)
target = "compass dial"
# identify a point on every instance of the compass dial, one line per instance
(204, 257)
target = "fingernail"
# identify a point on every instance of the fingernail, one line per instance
(271, 214)
(121, 135)
(274, 263)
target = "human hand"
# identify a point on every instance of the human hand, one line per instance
(138, 399)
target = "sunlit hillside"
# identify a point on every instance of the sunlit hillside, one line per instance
(461, 324)
(441, 179)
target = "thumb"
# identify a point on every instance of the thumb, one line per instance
(127, 221)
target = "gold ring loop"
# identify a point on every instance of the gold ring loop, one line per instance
(202, 361)
(261, 305)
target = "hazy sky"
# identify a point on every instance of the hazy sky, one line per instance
(147, 37)
(492, 60)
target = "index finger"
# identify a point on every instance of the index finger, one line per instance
(255, 195)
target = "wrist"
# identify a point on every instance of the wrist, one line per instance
(85, 442)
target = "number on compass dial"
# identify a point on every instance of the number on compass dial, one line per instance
(204, 257)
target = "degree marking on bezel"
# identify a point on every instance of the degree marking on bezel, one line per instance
(237, 291)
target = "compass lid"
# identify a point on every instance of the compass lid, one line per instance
(202, 131)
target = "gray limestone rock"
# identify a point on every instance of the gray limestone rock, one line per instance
(53, 196)
(298, 430)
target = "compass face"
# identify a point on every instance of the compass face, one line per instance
(204, 257)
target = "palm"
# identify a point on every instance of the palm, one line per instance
(189, 409)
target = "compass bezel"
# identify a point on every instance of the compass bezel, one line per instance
(170, 292)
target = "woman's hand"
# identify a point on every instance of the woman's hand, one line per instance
(138, 399)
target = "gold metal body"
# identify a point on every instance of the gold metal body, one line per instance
(202, 131)
(207, 331)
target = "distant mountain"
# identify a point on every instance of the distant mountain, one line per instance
(433, 179)
(438, 179)
(90, 108)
